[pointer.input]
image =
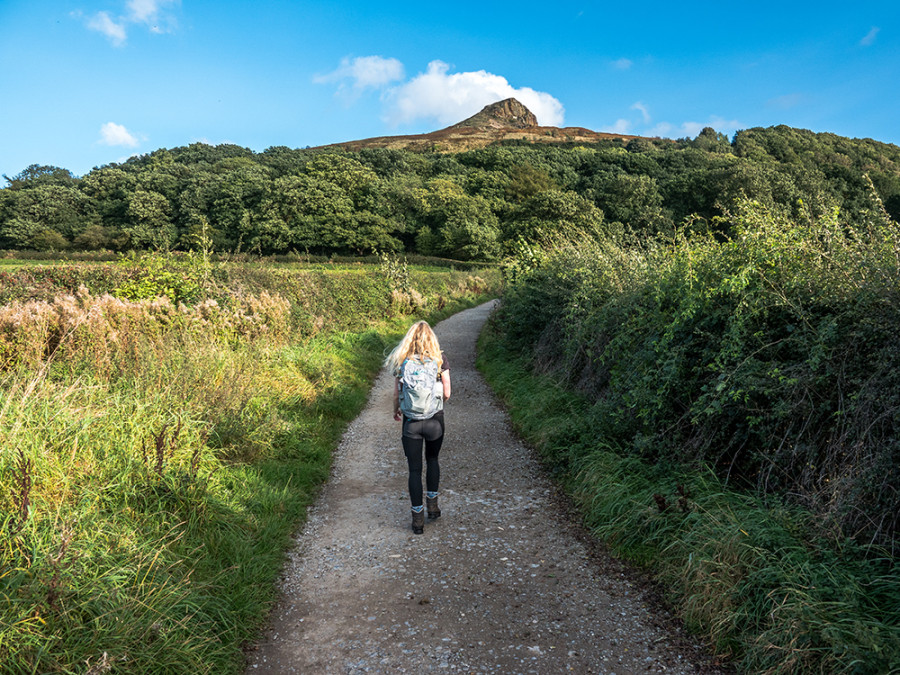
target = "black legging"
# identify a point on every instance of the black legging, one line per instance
(415, 433)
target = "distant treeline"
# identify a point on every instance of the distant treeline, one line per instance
(472, 205)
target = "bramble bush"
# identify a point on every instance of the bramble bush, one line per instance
(158, 277)
(725, 411)
(770, 355)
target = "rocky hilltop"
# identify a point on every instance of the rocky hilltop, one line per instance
(501, 121)
(508, 113)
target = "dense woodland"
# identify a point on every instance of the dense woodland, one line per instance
(471, 205)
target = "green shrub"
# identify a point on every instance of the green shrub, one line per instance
(770, 355)
(750, 575)
(726, 411)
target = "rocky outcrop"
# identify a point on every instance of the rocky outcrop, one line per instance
(508, 113)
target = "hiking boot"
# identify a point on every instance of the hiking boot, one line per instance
(418, 522)
(431, 505)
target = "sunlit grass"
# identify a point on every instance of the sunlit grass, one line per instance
(147, 493)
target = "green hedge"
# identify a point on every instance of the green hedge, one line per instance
(749, 576)
(727, 410)
(770, 356)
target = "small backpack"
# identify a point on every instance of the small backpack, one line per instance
(419, 397)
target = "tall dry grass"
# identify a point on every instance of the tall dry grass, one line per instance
(97, 331)
(155, 459)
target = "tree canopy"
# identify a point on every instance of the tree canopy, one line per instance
(472, 205)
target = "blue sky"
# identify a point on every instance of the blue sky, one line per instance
(84, 83)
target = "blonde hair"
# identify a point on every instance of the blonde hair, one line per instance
(419, 340)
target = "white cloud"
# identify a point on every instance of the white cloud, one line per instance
(691, 129)
(643, 109)
(364, 72)
(452, 97)
(622, 64)
(723, 126)
(631, 125)
(622, 126)
(661, 130)
(145, 12)
(102, 23)
(151, 14)
(116, 134)
(869, 39)
(436, 93)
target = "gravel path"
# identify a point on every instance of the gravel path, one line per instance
(503, 582)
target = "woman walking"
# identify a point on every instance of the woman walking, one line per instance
(421, 385)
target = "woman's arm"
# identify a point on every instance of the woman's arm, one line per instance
(445, 379)
(397, 415)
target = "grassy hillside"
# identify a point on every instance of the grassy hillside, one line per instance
(159, 451)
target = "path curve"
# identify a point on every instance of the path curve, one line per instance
(501, 583)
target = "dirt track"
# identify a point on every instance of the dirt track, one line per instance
(503, 582)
